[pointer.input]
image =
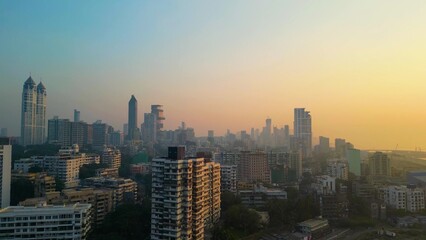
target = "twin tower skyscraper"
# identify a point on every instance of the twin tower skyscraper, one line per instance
(33, 113)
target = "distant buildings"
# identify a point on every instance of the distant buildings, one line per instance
(46, 222)
(354, 160)
(402, 197)
(33, 114)
(133, 133)
(379, 164)
(303, 131)
(260, 195)
(76, 115)
(65, 133)
(5, 172)
(191, 182)
(324, 144)
(253, 167)
(338, 170)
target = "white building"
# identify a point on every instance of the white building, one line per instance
(46, 222)
(325, 185)
(338, 170)
(5, 172)
(66, 165)
(401, 197)
(228, 178)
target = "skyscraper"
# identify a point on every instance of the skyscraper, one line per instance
(76, 115)
(158, 111)
(5, 171)
(303, 131)
(33, 113)
(324, 144)
(133, 119)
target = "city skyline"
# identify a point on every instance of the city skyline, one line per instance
(355, 66)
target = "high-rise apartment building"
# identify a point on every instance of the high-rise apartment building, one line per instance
(228, 178)
(133, 119)
(111, 158)
(379, 164)
(149, 128)
(340, 147)
(33, 113)
(5, 171)
(253, 167)
(158, 111)
(303, 131)
(324, 144)
(185, 196)
(354, 160)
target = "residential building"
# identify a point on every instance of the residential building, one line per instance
(402, 197)
(185, 196)
(42, 182)
(111, 158)
(140, 168)
(340, 147)
(303, 131)
(379, 164)
(228, 178)
(76, 115)
(5, 171)
(124, 190)
(46, 222)
(324, 185)
(253, 167)
(338, 170)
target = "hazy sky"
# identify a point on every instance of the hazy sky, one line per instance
(358, 66)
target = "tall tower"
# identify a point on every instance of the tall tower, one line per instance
(76, 115)
(133, 119)
(303, 130)
(40, 121)
(28, 112)
(33, 113)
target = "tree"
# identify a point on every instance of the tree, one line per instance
(21, 189)
(221, 233)
(128, 222)
(89, 170)
(35, 169)
(242, 218)
(59, 184)
(228, 199)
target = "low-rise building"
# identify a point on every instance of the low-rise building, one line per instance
(124, 190)
(43, 183)
(316, 228)
(140, 168)
(402, 197)
(259, 195)
(46, 222)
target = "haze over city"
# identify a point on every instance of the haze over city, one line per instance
(358, 67)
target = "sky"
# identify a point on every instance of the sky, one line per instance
(359, 67)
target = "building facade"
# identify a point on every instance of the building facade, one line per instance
(185, 196)
(253, 167)
(5, 172)
(46, 222)
(303, 131)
